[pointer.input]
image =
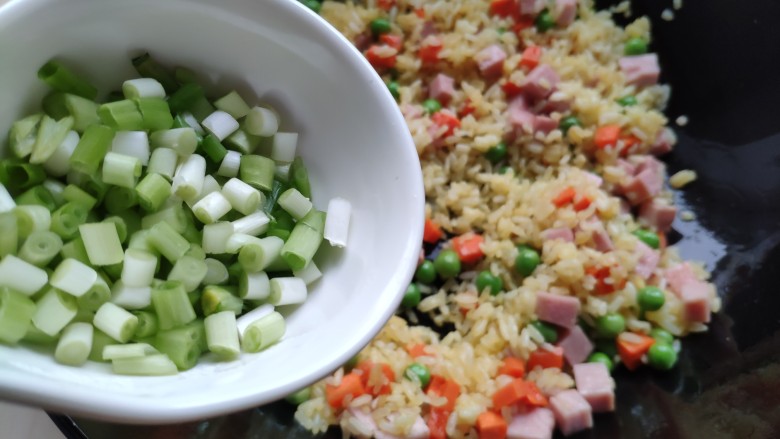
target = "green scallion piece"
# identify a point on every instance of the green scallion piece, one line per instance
(257, 171)
(99, 341)
(222, 335)
(217, 299)
(92, 147)
(16, 312)
(151, 365)
(50, 135)
(167, 241)
(102, 243)
(22, 135)
(40, 247)
(184, 75)
(121, 170)
(153, 190)
(172, 305)
(155, 113)
(119, 199)
(304, 240)
(213, 149)
(60, 78)
(180, 346)
(74, 249)
(20, 176)
(74, 344)
(122, 115)
(98, 294)
(147, 324)
(55, 309)
(121, 226)
(185, 98)
(263, 332)
(83, 111)
(9, 238)
(37, 196)
(300, 177)
(174, 215)
(30, 219)
(190, 271)
(75, 194)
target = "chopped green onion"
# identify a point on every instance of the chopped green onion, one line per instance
(243, 142)
(172, 305)
(304, 240)
(130, 350)
(147, 323)
(51, 133)
(211, 208)
(256, 255)
(337, 222)
(21, 175)
(119, 199)
(73, 277)
(37, 196)
(153, 190)
(132, 143)
(261, 122)
(210, 185)
(222, 335)
(76, 195)
(40, 247)
(216, 272)
(121, 170)
(230, 165)
(300, 177)
(215, 237)
(167, 241)
(92, 147)
(233, 104)
(282, 172)
(217, 299)
(188, 270)
(66, 220)
(188, 180)
(174, 215)
(163, 162)
(220, 124)
(263, 332)
(295, 203)
(284, 146)
(242, 197)
(75, 344)
(16, 312)
(99, 341)
(116, 322)
(58, 164)
(9, 239)
(299, 397)
(98, 294)
(138, 268)
(60, 78)
(213, 149)
(185, 98)
(182, 140)
(74, 249)
(55, 309)
(102, 243)
(287, 291)
(151, 365)
(257, 171)
(31, 219)
(254, 286)
(155, 113)
(309, 273)
(148, 67)
(22, 135)
(55, 188)
(143, 88)
(121, 115)
(84, 111)
(253, 224)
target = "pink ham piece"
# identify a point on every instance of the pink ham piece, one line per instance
(565, 12)
(428, 28)
(442, 88)
(594, 178)
(648, 260)
(643, 186)
(664, 142)
(519, 115)
(363, 41)
(556, 309)
(563, 233)
(554, 104)
(490, 61)
(576, 345)
(651, 163)
(693, 292)
(642, 70)
(601, 239)
(544, 124)
(538, 423)
(627, 167)
(624, 206)
(540, 82)
(678, 275)
(657, 214)
(530, 7)
(411, 111)
(572, 412)
(595, 385)
(419, 430)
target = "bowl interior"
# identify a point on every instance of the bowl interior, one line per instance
(352, 138)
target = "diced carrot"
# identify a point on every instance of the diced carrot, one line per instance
(606, 135)
(367, 368)
(417, 350)
(519, 392)
(533, 396)
(545, 359)
(446, 118)
(432, 232)
(429, 52)
(564, 197)
(502, 8)
(386, 5)
(531, 57)
(468, 247)
(631, 353)
(440, 386)
(511, 89)
(377, 60)
(420, 12)
(629, 142)
(513, 367)
(581, 202)
(466, 109)
(601, 274)
(491, 425)
(394, 41)
(351, 384)
(437, 423)
(522, 23)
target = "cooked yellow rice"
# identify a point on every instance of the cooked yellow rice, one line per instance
(464, 193)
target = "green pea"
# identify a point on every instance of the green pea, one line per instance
(447, 263)
(501, 30)
(662, 336)
(608, 347)
(627, 101)
(651, 298)
(431, 105)
(412, 296)
(487, 279)
(648, 237)
(505, 169)
(610, 325)
(314, 5)
(544, 21)
(567, 122)
(379, 26)
(600, 357)
(420, 371)
(393, 87)
(426, 273)
(527, 260)
(662, 356)
(635, 46)
(496, 153)
(547, 330)
(299, 397)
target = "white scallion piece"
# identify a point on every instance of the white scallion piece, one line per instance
(230, 164)
(32, 218)
(73, 277)
(263, 332)
(132, 143)
(222, 335)
(287, 291)
(282, 172)
(192, 121)
(337, 222)
(261, 122)
(142, 88)
(74, 344)
(284, 147)
(216, 272)
(151, 365)
(256, 314)
(215, 237)
(121, 170)
(102, 243)
(115, 321)
(211, 208)
(294, 203)
(58, 164)
(138, 268)
(309, 273)
(190, 271)
(54, 311)
(7, 202)
(210, 184)
(188, 179)
(55, 187)
(22, 276)
(238, 240)
(232, 104)
(163, 161)
(220, 124)
(130, 350)
(254, 286)
(253, 224)
(131, 297)
(182, 140)
(243, 197)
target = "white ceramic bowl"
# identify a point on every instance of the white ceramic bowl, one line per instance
(352, 137)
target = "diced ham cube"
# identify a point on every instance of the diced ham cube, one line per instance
(538, 423)
(595, 385)
(651, 163)
(540, 82)
(411, 111)
(601, 239)
(572, 412)
(642, 70)
(643, 186)
(696, 301)
(664, 142)
(363, 41)
(624, 206)
(442, 88)
(428, 28)
(576, 345)
(563, 233)
(648, 260)
(544, 124)
(560, 104)
(678, 275)
(556, 309)
(565, 12)
(594, 178)
(530, 7)
(490, 61)
(628, 168)
(658, 214)
(519, 115)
